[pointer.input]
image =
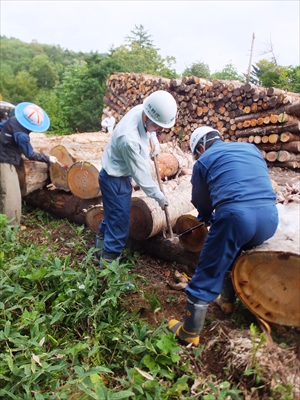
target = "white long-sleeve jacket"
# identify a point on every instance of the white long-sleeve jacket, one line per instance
(128, 150)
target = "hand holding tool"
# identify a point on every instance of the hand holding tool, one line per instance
(162, 190)
(175, 239)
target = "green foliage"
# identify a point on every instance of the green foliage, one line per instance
(141, 59)
(269, 74)
(199, 69)
(63, 329)
(229, 72)
(140, 37)
(223, 391)
(43, 70)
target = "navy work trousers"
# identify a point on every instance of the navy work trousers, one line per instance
(236, 227)
(116, 196)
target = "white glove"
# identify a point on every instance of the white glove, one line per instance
(163, 203)
(53, 159)
(155, 151)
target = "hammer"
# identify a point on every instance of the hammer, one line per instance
(175, 239)
(169, 225)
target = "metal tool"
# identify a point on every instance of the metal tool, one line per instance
(175, 239)
(169, 225)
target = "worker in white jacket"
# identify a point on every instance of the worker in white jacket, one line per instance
(125, 157)
(108, 123)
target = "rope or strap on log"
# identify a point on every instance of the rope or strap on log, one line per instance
(162, 190)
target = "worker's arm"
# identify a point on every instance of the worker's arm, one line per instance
(23, 141)
(139, 170)
(200, 195)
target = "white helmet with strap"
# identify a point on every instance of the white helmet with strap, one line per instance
(161, 108)
(199, 135)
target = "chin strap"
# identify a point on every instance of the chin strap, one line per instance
(209, 140)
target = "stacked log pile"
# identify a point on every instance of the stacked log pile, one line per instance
(267, 117)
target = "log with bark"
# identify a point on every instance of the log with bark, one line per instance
(146, 217)
(267, 278)
(61, 204)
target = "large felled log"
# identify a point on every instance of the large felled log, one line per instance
(267, 278)
(59, 171)
(32, 175)
(146, 217)
(61, 204)
(158, 246)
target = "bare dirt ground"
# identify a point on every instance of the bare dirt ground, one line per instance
(227, 342)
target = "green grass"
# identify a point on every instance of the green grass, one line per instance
(64, 331)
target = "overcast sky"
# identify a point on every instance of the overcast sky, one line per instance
(213, 32)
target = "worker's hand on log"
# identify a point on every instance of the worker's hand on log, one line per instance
(53, 159)
(155, 150)
(163, 203)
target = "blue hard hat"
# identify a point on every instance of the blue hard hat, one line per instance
(32, 117)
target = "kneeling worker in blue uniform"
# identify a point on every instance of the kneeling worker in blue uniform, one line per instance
(232, 191)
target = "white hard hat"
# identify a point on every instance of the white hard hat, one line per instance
(161, 108)
(198, 134)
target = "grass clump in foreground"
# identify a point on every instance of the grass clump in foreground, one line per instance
(64, 332)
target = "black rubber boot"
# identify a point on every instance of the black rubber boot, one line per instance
(99, 244)
(194, 319)
(108, 257)
(227, 298)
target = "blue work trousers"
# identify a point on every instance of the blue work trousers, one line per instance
(116, 197)
(236, 227)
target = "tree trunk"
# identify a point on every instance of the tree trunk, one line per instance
(33, 175)
(146, 217)
(158, 246)
(61, 204)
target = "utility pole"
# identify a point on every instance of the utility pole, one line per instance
(250, 60)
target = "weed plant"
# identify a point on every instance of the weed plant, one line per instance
(65, 334)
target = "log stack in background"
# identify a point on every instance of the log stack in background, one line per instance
(267, 117)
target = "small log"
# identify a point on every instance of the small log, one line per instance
(93, 217)
(293, 127)
(289, 146)
(195, 239)
(288, 137)
(83, 180)
(167, 165)
(287, 164)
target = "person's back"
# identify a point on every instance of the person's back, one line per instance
(235, 172)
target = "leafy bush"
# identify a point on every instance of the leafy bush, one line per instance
(64, 331)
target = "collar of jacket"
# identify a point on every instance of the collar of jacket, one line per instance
(141, 127)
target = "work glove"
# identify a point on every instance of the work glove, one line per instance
(53, 159)
(155, 150)
(163, 203)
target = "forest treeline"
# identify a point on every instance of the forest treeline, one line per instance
(70, 85)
